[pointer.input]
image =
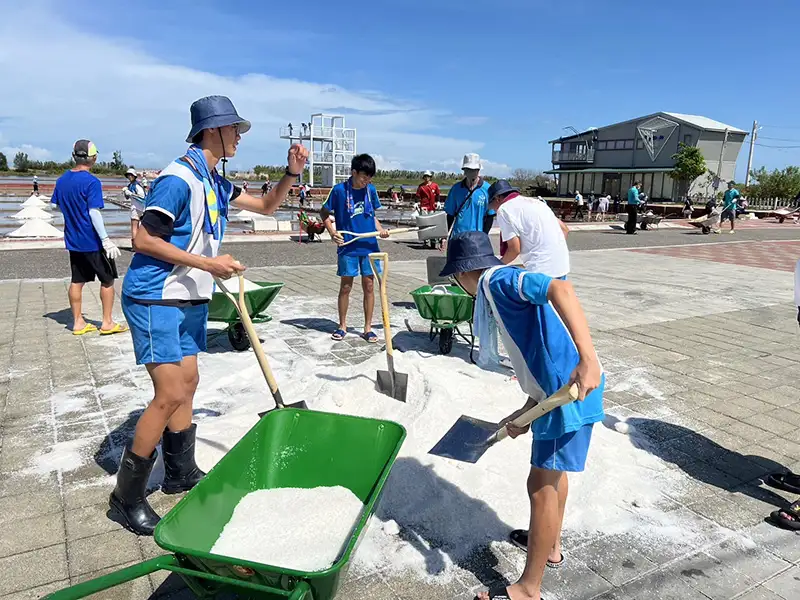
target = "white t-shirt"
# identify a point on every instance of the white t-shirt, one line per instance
(543, 248)
(579, 199)
(603, 206)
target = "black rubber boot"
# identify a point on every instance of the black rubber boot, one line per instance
(128, 497)
(180, 471)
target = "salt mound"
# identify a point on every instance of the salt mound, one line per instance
(247, 215)
(293, 528)
(32, 212)
(232, 285)
(34, 202)
(36, 228)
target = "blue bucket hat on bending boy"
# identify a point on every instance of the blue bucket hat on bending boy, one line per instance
(214, 111)
(469, 251)
(500, 187)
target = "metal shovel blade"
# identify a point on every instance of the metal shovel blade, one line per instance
(301, 404)
(467, 440)
(394, 384)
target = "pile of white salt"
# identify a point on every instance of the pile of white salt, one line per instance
(232, 285)
(294, 528)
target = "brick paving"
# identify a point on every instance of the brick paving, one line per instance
(780, 256)
(702, 356)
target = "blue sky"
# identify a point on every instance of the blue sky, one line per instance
(423, 84)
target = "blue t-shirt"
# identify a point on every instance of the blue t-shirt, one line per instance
(540, 347)
(633, 195)
(149, 278)
(362, 219)
(75, 193)
(730, 199)
(470, 218)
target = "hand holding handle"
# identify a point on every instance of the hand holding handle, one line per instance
(567, 394)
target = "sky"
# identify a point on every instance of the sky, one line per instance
(422, 84)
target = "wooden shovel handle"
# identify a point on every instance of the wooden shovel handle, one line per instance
(372, 234)
(241, 308)
(567, 394)
(387, 328)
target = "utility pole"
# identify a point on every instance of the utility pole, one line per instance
(753, 135)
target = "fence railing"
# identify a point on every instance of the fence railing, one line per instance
(769, 203)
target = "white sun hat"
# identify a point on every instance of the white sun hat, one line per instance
(428, 174)
(471, 161)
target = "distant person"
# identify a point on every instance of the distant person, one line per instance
(303, 195)
(616, 204)
(632, 208)
(467, 204)
(688, 209)
(729, 202)
(290, 129)
(602, 207)
(579, 204)
(144, 182)
(135, 194)
(428, 192)
(35, 185)
(79, 196)
(266, 187)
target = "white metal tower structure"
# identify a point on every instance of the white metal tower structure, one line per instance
(331, 147)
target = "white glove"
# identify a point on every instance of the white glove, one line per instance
(111, 249)
(126, 192)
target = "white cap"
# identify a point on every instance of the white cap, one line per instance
(428, 174)
(471, 161)
(131, 172)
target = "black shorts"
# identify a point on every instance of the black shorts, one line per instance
(35, 187)
(88, 265)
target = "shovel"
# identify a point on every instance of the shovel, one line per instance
(389, 382)
(241, 308)
(372, 234)
(469, 438)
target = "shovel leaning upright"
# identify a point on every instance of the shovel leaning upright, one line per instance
(470, 438)
(241, 308)
(390, 382)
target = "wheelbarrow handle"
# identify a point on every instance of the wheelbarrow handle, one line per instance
(383, 257)
(241, 308)
(168, 562)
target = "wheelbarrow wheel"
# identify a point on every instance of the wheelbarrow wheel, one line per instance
(237, 336)
(445, 341)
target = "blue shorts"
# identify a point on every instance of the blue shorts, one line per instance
(567, 453)
(165, 334)
(353, 266)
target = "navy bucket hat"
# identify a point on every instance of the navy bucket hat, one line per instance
(214, 111)
(499, 187)
(469, 251)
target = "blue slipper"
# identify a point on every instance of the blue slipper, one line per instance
(338, 334)
(370, 337)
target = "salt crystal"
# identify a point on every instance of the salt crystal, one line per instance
(391, 527)
(293, 528)
(622, 427)
(232, 285)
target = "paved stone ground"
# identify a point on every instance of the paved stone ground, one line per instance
(705, 357)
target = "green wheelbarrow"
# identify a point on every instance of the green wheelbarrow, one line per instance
(286, 448)
(221, 310)
(446, 312)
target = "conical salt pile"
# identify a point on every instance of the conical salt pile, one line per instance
(32, 212)
(34, 201)
(247, 215)
(36, 228)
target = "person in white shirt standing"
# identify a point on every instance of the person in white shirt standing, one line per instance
(135, 193)
(579, 206)
(531, 231)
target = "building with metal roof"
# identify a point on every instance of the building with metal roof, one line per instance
(607, 160)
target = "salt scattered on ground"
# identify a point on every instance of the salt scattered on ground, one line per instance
(63, 456)
(294, 528)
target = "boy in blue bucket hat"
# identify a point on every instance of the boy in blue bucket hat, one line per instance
(166, 292)
(545, 333)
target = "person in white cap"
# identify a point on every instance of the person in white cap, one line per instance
(134, 192)
(468, 201)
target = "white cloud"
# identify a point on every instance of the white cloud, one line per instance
(470, 120)
(33, 152)
(489, 167)
(121, 97)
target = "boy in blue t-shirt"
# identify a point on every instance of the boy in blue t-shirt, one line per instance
(545, 332)
(353, 204)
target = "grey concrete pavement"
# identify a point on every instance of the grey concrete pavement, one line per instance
(702, 359)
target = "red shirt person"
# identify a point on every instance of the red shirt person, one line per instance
(428, 192)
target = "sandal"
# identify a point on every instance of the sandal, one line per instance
(88, 328)
(788, 482)
(370, 337)
(788, 517)
(338, 335)
(497, 594)
(117, 328)
(519, 537)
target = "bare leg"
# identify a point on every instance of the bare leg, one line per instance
(75, 294)
(368, 285)
(181, 419)
(345, 286)
(134, 229)
(563, 490)
(169, 383)
(107, 301)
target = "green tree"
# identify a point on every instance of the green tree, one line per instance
(779, 183)
(21, 162)
(116, 162)
(3, 162)
(689, 165)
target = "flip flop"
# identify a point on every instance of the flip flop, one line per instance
(338, 335)
(519, 537)
(500, 594)
(793, 510)
(788, 482)
(370, 337)
(88, 328)
(117, 328)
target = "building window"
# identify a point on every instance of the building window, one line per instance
(628, 144)
(601, 145)
(619, 145)
(687, 139)
(639, 144)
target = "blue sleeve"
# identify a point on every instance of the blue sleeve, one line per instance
(94, 193)
(450, 204)
(376, 200)
(332, 201)
(54, 197)
(534, 287)
(169, 195)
